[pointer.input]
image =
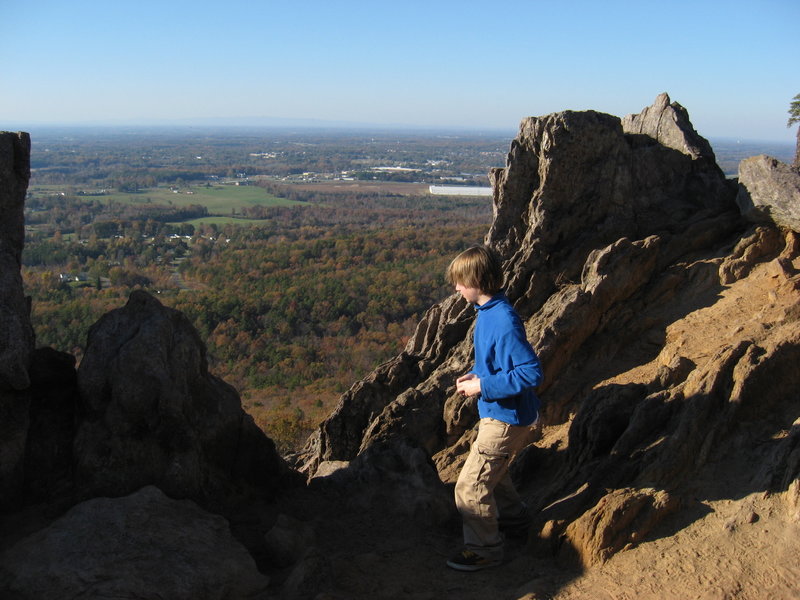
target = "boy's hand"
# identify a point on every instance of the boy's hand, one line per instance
(468, 385)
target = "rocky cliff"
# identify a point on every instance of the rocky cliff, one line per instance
(666, 321)
(663, 302)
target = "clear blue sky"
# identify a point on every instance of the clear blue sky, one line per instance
(480, 65)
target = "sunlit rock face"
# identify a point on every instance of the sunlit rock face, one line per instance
(769, 192)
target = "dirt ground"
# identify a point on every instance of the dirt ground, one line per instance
(745, 548)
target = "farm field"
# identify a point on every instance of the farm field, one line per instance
(218, 199)
(220, 220)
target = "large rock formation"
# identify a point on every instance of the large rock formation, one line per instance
(16, 334)
(151, 413)
(621, 239)
(577, 194)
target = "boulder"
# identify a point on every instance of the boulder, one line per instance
(398, 477)
(288, 541)
(763, 244)
(141, 546)
(769, 192)
(619, 520)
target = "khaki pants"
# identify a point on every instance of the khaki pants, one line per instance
(484, 491)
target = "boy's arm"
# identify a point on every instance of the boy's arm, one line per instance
(519, 367)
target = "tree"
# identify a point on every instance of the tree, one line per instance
(794, 117)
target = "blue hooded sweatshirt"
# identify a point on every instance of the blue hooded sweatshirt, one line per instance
(506, 364)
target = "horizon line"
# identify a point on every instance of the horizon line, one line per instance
(309, 124)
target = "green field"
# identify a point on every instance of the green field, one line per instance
(218, 199)
(217, 220)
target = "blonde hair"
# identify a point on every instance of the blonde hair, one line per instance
(477, 267)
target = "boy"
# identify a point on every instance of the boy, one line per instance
(504, 377)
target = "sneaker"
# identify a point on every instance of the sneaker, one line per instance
(467, 560)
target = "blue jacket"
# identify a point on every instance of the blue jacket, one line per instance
(506, 364)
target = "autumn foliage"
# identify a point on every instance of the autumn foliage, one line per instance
(293, 311)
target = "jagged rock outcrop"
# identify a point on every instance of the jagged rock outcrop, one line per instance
(151, 413)
(141, 546)
(576, 182)
(16, 334)
(769, 191)
(575, 185)
(622, 241)
(341, 435)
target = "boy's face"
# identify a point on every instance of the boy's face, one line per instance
(470, 294)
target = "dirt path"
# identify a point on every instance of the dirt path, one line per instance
(745, 549)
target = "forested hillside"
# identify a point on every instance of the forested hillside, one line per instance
(293, 309)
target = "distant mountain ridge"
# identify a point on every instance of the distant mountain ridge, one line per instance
(239, 123)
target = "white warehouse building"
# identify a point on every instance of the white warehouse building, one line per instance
(460, 190)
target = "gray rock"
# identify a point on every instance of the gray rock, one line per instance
(764, 243)
(668, 123)
(769, 192)
(329, 467)
(141, 546)
(620, 519)
(311, 574)
(48, 451)
(398, 477)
